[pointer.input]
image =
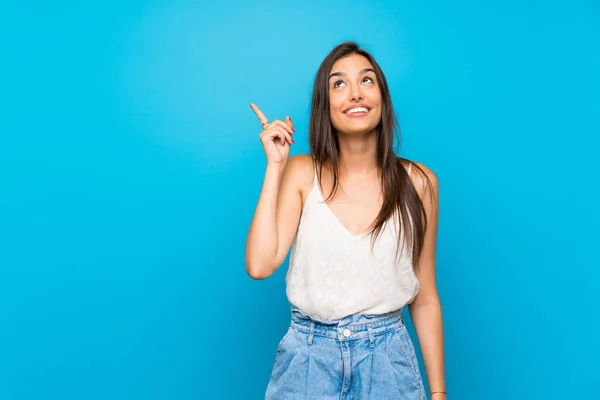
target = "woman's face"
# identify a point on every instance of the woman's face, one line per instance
(354, 95)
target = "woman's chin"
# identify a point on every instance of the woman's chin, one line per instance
(358, 130)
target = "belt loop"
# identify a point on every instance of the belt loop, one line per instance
(371, 338)
(312, 332)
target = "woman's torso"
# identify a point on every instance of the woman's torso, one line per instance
(332, 271)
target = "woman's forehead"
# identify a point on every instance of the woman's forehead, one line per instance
(351, 63)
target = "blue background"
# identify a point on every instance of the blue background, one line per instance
(130, 167)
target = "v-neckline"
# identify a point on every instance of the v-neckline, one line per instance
(335, 217)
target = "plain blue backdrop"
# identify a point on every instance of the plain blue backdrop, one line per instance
(130, 167)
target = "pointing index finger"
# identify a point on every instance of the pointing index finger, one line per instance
(261, 117)
(290, 123)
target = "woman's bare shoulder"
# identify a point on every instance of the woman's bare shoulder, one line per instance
(423, 177)
(301, 167)
(405, 162)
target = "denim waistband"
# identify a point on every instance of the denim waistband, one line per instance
(355, 326)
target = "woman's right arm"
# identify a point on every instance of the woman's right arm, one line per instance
(276, 217)
(278, 211)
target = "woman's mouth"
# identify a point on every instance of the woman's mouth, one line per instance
(357, 111)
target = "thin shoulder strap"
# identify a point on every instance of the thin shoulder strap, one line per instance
(409, 168)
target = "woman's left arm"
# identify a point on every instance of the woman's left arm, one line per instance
(425, 310)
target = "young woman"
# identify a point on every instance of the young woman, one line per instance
(360, 254)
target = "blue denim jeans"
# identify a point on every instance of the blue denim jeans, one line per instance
(358, 357)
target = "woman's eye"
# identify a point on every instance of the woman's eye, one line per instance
(337, 83)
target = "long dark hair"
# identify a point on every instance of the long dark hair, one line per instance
(399, 193)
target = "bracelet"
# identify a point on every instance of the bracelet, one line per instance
(438, 391)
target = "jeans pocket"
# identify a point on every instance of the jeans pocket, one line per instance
(281, 347)
(289, 374)
(406, 346)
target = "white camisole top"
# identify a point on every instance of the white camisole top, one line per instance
(333, 274)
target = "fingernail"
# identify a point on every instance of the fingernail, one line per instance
(293, 141)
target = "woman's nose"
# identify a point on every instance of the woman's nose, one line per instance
(356, 94)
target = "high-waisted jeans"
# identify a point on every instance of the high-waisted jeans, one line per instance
(358, 357)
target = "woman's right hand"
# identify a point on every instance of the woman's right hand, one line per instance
(276, 137)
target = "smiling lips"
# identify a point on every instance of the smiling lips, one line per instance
(357, 111)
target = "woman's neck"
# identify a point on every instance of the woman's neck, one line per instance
(358, 155)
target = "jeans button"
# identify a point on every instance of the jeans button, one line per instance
(347, 332)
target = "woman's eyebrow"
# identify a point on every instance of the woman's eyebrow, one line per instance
(362, 71)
